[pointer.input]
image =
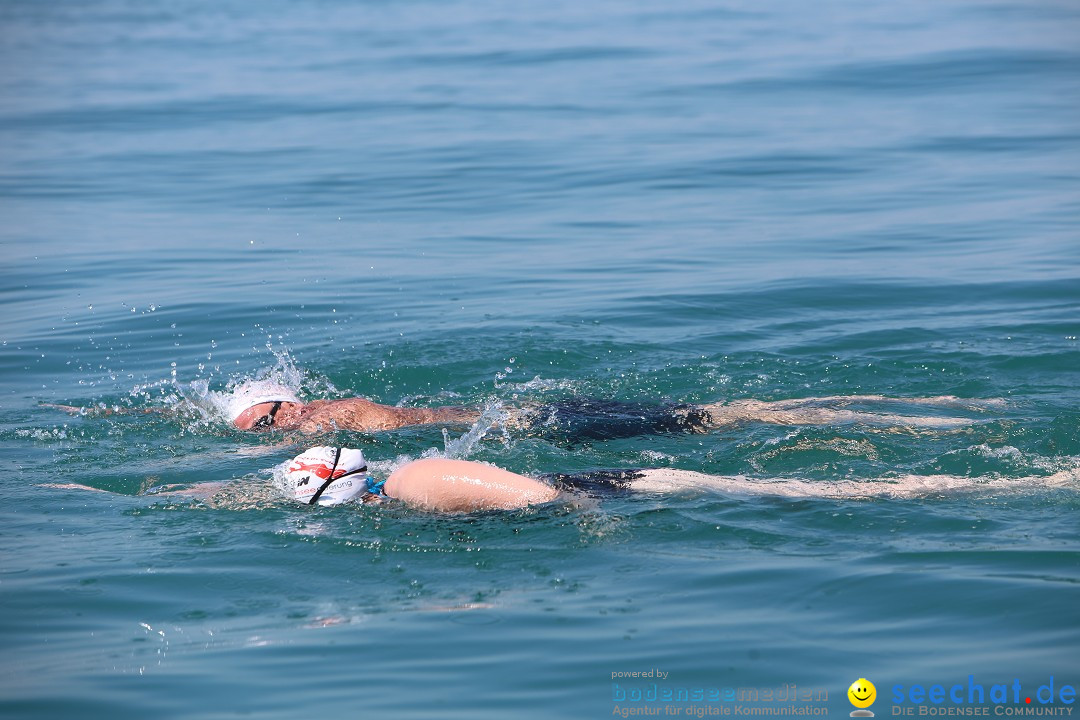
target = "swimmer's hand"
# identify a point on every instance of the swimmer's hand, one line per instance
(65, 408)
(71, 486)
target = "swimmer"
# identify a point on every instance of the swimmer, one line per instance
(334, 476)
(577, 418)
(263, 405)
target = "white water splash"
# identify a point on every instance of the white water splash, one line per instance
(214, 406)
(543, 385)
(493, 418)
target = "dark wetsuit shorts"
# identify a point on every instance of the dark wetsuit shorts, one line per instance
(597, 483)
(582, 418)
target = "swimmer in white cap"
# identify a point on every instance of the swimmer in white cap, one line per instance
(334, 476)
(582, 418)
(264, 405)
(331, 476)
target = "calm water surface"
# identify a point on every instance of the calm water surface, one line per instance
(494, 204)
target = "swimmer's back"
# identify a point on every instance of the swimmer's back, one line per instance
(461, 485)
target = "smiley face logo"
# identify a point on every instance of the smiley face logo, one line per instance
(862, 694)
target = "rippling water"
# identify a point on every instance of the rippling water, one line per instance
(499, 204)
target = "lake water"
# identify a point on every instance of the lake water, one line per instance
(497, 204)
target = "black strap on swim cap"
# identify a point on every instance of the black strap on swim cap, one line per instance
(331, 479)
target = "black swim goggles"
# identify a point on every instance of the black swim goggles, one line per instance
(267, 420)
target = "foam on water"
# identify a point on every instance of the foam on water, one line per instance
(492, 421)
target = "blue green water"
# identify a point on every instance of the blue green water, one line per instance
(494, 204)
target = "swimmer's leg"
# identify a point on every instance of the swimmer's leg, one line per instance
(580, 418)
(945, 401)
(668, 480)
(816, 411)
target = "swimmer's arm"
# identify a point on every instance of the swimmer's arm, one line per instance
(461, 486)
(199, 490)
(454, 413)
(361, 414)
(73, 486)
(75, 410)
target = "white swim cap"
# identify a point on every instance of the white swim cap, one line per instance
(327, 475)
(255, 392)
